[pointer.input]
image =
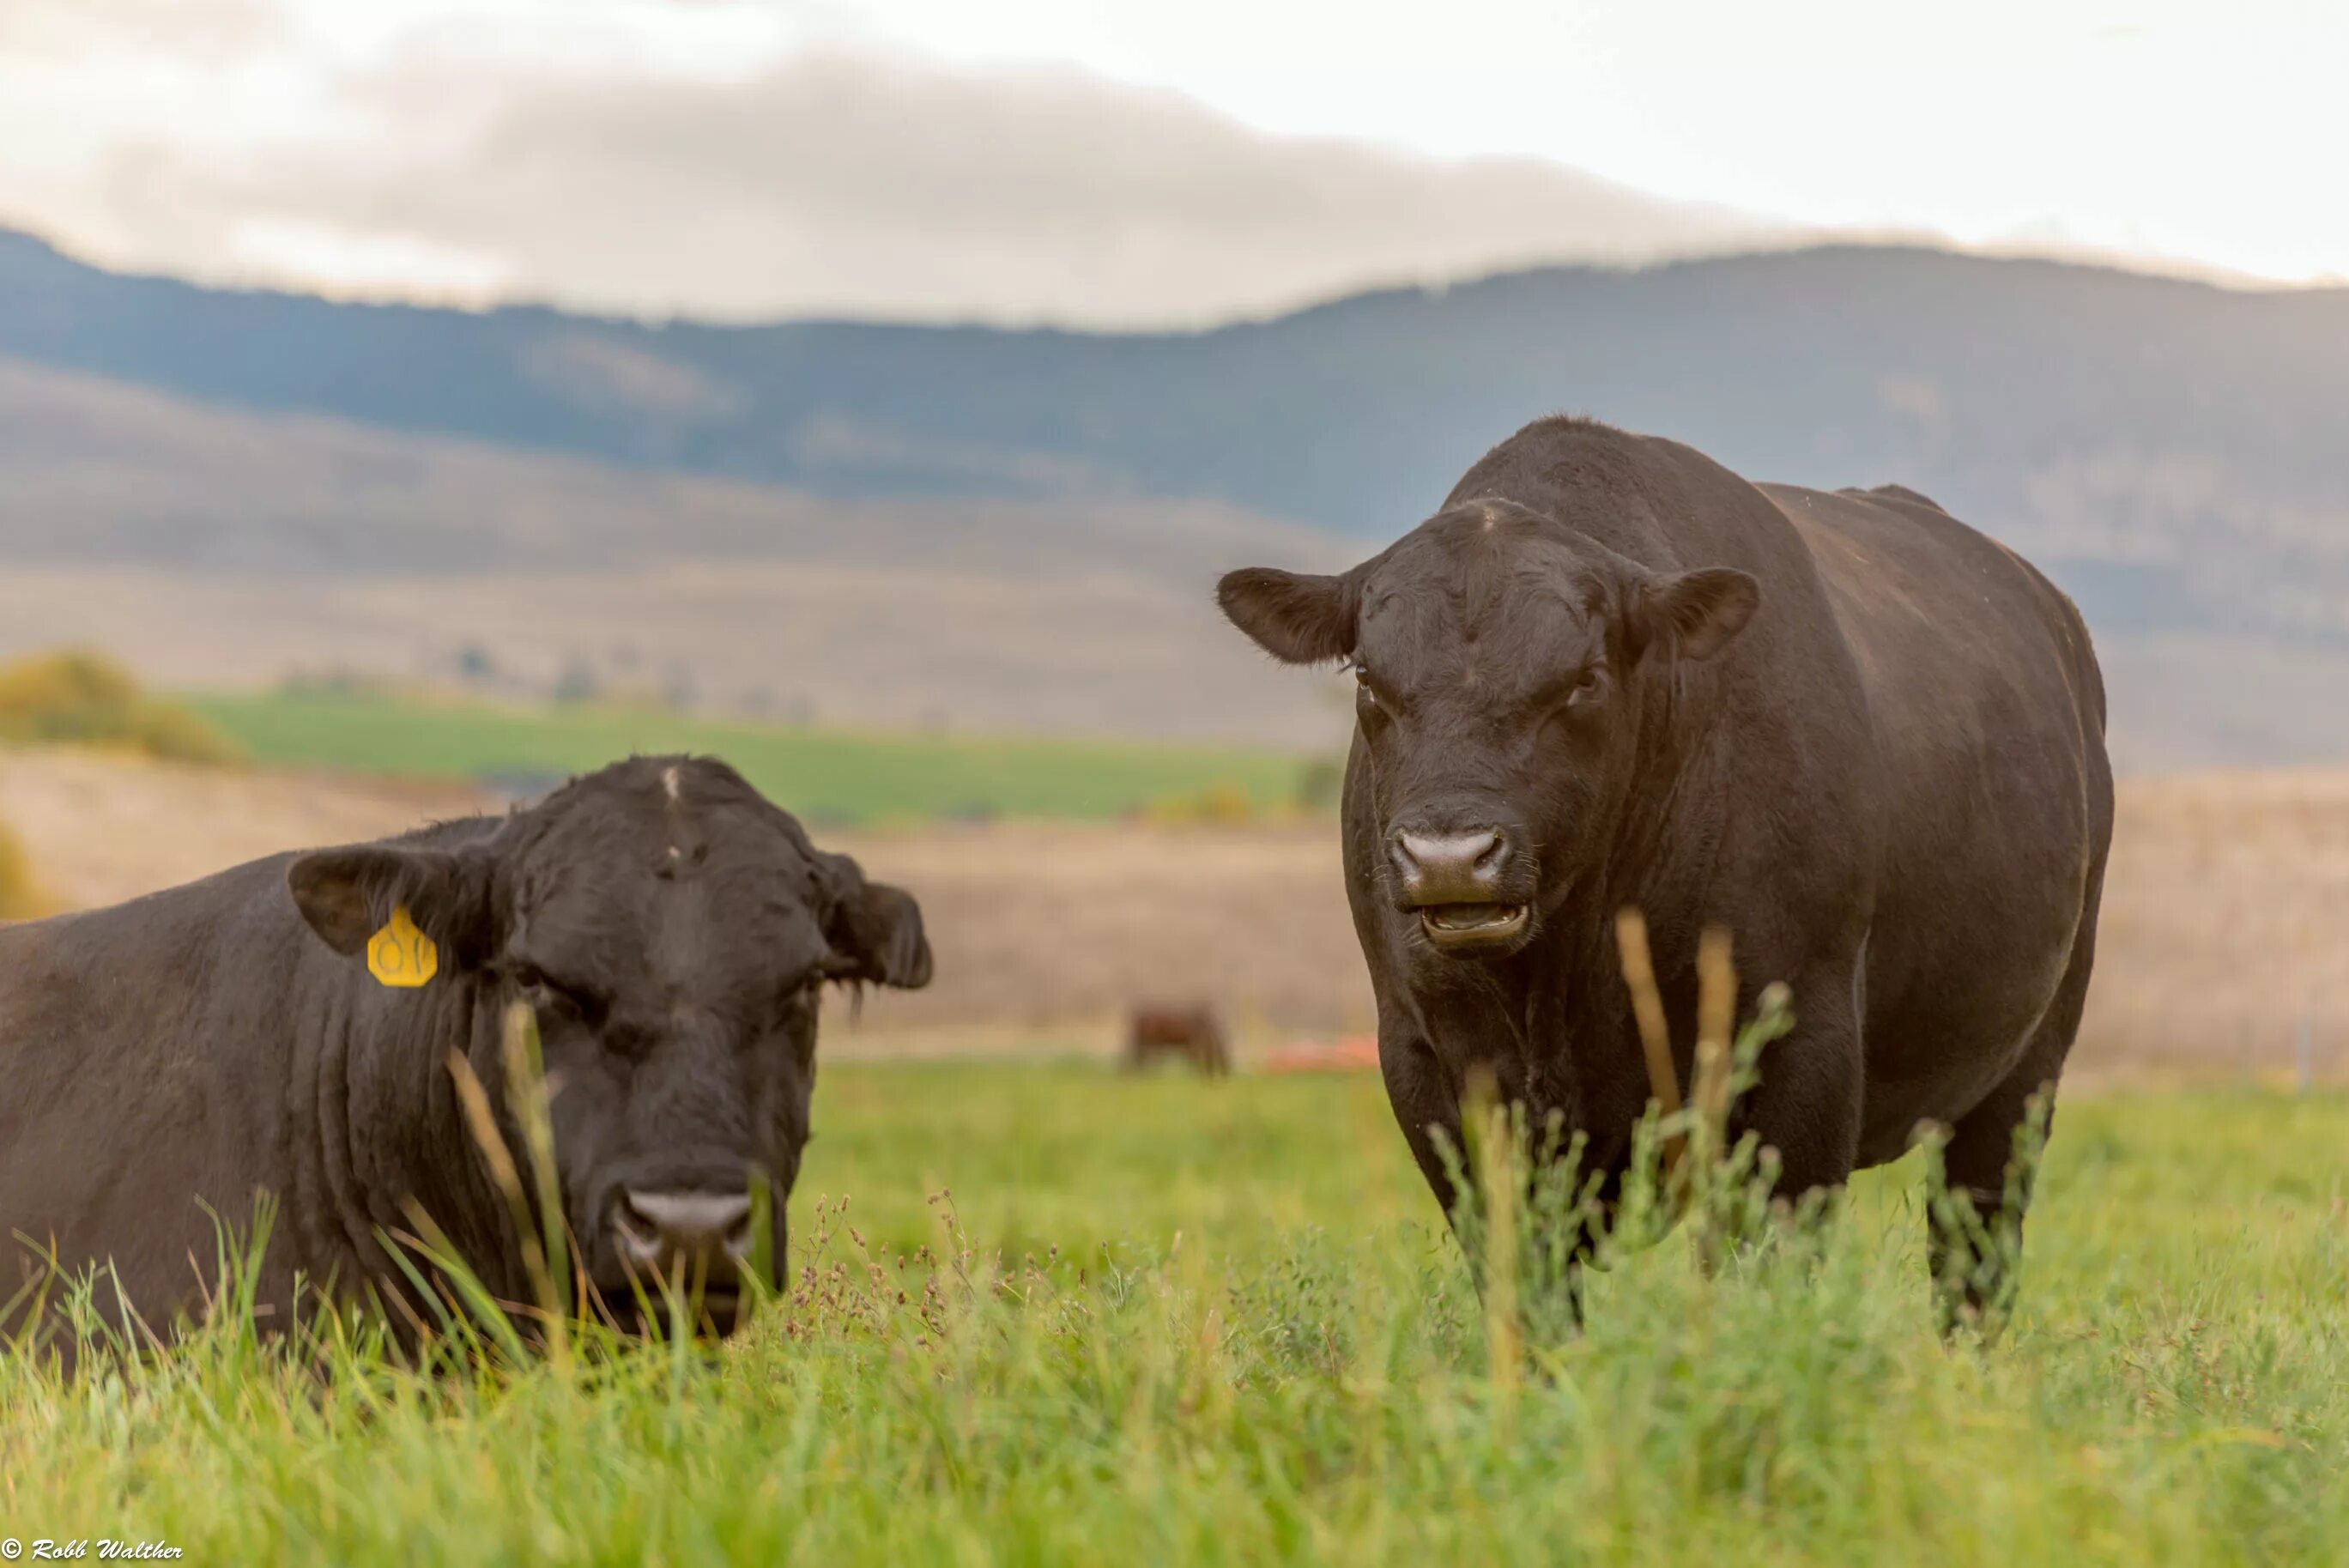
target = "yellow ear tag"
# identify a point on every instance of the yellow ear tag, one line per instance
(401, 955)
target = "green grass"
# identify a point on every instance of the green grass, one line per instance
(826, 774)
(1252, 1346)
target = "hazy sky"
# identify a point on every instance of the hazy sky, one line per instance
(1118, 163)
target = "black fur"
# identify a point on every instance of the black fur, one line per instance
(669, 926)
(1860, 735)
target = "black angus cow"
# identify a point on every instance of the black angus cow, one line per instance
(1860, 735)
(670, 928)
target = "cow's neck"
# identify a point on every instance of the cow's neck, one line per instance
(397, 1137)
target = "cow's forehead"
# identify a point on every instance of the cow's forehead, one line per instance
(717, 931)
(652, 876)
(665, 814)
(1458, 589)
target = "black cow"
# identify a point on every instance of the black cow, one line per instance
(671, 930)
(1863, 736)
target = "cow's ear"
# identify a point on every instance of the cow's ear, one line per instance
(1297, 617)
(1692, 615)
(347, 895)
(875, 931)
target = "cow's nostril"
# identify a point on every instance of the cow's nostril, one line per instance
(1494, 852)
(666, 1226)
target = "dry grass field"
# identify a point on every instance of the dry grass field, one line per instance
(2226, 922)
(100, 827)
(2226, 926)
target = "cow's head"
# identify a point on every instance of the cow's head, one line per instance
(672, 931)
(1506, 668)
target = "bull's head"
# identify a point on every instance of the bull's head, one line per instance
(672, 932)
(1504, 669)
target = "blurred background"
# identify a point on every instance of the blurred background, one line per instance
(404, 405)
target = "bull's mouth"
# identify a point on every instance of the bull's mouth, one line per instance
(1463, 928)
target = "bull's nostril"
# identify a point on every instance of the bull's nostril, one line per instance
(1399, 852)
(1478, 850)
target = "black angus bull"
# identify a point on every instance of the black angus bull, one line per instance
(265, 1030)
(1863, 736)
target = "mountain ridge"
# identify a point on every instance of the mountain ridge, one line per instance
(2167, 450)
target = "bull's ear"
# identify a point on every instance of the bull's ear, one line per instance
(1692, 615)
(875, 931)
(347, 895)
(1297, 617)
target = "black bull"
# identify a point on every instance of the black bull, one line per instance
(1863, 736)
(669, 928)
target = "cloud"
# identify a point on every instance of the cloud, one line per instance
(198, 29)
(839, 185)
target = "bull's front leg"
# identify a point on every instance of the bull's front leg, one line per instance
(1807, 1103)
(1425, 1107)
(1544, 1266)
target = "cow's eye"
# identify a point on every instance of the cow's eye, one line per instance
(1589, 688)
(546, 994)
(1362, 683)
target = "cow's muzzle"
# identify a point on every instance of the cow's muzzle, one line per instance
(1465, 888)
(659, 1232)
(696, 1243)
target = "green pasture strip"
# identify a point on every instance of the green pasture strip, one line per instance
(844, 775)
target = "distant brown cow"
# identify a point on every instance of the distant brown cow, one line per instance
(1192, 1033)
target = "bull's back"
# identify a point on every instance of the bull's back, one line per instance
(1986, 711)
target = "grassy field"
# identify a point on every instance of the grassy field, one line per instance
(823, 774)
(1176, 1321)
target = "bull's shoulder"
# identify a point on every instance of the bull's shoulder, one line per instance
(1915, 586)
(1882, 501)
(1897, 493)
(1888, 523)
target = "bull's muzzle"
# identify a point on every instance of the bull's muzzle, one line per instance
(1464, 886)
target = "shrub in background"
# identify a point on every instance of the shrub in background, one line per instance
(85, 697)
(1320, 785)
(1223, 804)
(21, 897)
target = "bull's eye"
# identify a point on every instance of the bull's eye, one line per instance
(1590, 688)
(1362, 683)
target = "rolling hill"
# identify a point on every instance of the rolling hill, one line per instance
(2170, 450)
(213, 546)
